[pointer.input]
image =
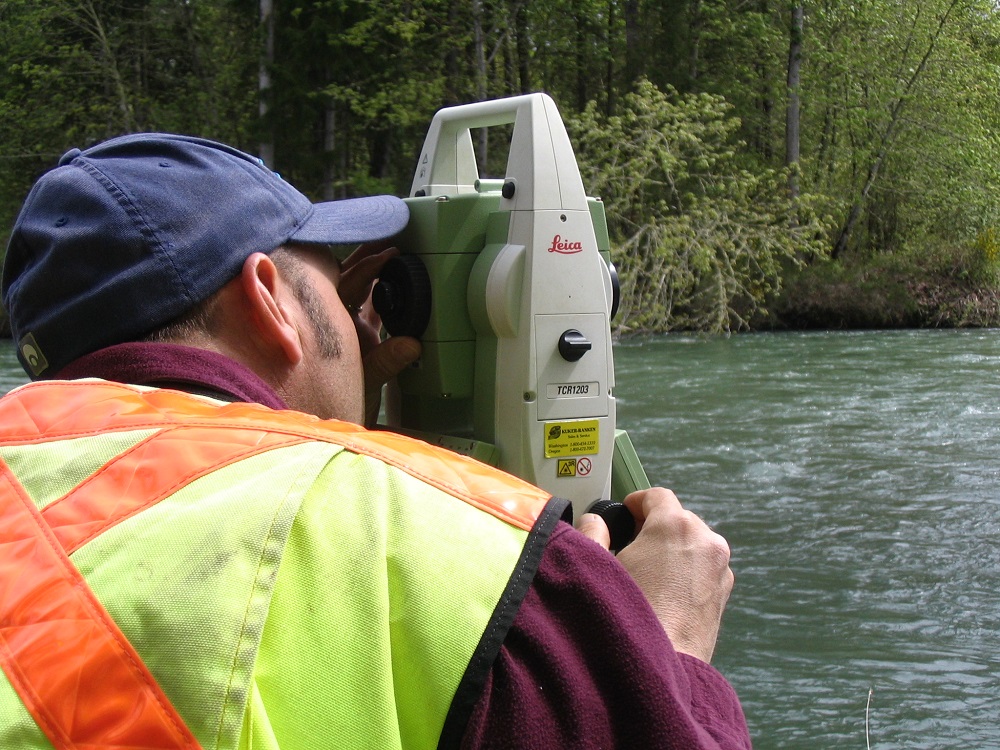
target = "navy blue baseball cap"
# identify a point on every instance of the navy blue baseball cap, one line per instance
(122, 238)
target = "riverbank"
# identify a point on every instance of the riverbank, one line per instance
(885, 294)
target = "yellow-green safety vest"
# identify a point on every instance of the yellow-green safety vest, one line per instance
(176, 572)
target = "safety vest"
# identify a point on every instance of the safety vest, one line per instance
(180, 573)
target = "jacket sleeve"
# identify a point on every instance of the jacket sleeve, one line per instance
(587, 664)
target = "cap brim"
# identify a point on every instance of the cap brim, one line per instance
(353, 221)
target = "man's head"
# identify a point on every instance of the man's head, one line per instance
(130, 234)
(283, 318)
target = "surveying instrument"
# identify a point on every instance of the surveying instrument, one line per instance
(509, 285)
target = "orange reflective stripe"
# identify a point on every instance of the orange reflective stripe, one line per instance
(51, 410)
(150, 471)
(76, 673)
(502, 495)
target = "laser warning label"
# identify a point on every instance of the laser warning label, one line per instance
(571, 439)
(574, 467)
(566, 468)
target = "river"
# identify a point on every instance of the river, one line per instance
(856, 477)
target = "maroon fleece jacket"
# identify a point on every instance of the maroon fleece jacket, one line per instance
(585, 664)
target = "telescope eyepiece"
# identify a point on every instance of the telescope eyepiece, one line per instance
(402, 296)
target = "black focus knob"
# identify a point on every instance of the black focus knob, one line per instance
(616, 290)
(573, 345)
(620, 521)
(402, 296)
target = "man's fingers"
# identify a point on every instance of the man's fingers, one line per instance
(382, 364)
(593, 527)
(390, 358)
(682, 567)
(642, 503)
(359, 271)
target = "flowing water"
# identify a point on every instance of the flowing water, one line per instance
(856, 477)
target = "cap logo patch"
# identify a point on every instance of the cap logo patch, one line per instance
(32, 354)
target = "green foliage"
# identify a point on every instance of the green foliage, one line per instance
(700, 242)
(974, 263)
(907, 90)
(39, 106)
(73, 72)
(931, 288)
(834, 294)
(577, 51)
(988, 246)
(900, 122)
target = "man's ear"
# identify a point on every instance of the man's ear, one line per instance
(269, 297)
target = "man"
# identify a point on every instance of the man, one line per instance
(191, 558)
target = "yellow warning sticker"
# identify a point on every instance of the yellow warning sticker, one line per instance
(571, 439)
(566, 467)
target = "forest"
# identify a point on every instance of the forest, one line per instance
(763, 163)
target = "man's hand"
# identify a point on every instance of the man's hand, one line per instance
(681, 565)
(382, 360)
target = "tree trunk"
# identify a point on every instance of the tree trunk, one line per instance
(609, 83)
(266, 147)
(792, 106)
(523, 46)
(694, 56)
(329, 150)
(477, 30)
(887, 139)
(582, 62)
(633, 37)
(95, 26)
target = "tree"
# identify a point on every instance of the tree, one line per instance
(893, 120)
(792, 149)
(901, 131)
(699, 241)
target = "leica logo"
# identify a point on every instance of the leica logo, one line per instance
(565, 247)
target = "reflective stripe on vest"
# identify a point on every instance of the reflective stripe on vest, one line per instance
(86, 407)
(75, 671)
(188, 439)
